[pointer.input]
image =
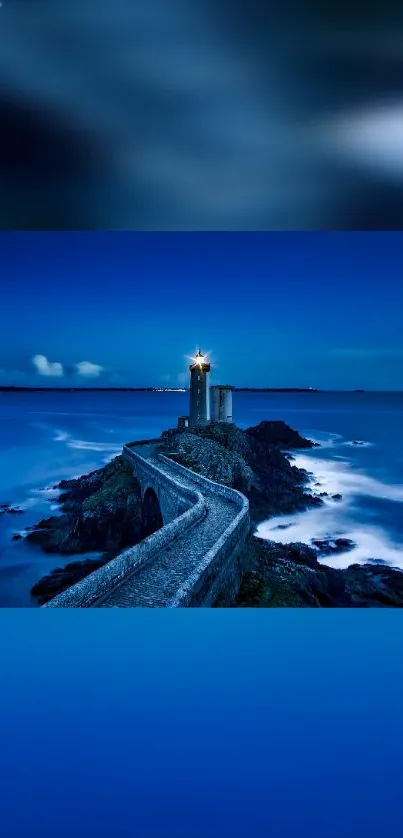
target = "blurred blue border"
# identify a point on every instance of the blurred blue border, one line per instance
(194, 723)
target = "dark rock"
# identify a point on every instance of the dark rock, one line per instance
(344, 543)
(280, 434)
(289, 575)
(372, 586)
(337, 496)
(283, 576)
(17, 536)
(63, 577)
(11, 510)
(101, 512)
(327, 546)
(251, 461)
(320, 544)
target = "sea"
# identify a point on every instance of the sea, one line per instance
(49, 435)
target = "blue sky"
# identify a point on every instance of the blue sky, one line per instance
(274, 309)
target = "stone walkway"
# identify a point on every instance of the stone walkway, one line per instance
(155, 585)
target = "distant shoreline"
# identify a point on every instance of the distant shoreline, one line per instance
(11, 389)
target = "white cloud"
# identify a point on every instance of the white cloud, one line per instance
(45, 367)
(88, 369)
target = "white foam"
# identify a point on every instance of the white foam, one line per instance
(84, 445)
(335, 519)
(22, 533)
(109, 457)
(371, 543)
(326, 442)
(338, 477)
(324, 523)
(61, 436)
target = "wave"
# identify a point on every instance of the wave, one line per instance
(84, 445)
(336, 519)
(338, 477)
(46, 493)
(358, 443)
(325, 441)
(22, 533)
(61, 436)
(334, 440)
(370, 543)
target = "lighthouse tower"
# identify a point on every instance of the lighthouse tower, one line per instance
(199, 390)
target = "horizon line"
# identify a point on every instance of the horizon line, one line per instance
(38, 388)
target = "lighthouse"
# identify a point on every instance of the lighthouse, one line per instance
(199, 390)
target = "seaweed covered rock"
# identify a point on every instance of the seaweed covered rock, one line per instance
(289, 575)
(207, 457)
(101, 512)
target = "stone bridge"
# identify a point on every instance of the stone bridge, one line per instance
(195, 556)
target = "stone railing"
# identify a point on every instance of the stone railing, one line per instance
(94, 587)
(201, 588)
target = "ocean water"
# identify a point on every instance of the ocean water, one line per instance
(47, 436)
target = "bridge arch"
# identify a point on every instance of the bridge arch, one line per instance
(151, 514)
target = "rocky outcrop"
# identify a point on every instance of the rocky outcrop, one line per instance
(10, 510)
(63, 577)
(279, 434)
(101, 511)
(207, 457)
(289, 575)
(252, 461)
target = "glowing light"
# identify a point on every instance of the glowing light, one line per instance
(199, 359)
